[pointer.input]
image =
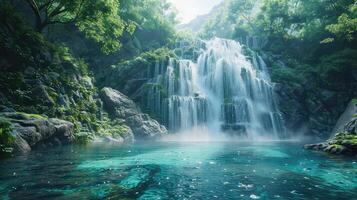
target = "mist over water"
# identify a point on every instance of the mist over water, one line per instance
(225, 89)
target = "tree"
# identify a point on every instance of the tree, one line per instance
(98, 19)
(154, 21)
(346, 26)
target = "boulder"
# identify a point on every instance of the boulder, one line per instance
(120, 106)
(144, 126)
(30, 131)
(117, 104)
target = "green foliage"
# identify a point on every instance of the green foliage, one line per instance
(97, 19)
(345, 139)
(146, 59)
(339, 67)
(232, 16)
(103, 24)
(6, 138)
(113, 128)
(154, 19)
(354, 101)
(284, 75)
(83, 138)
(346, 26)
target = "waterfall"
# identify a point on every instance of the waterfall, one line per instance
(226, 88)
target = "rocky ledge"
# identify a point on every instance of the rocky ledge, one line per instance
(343, 143)
(120, 106)
(20, 132)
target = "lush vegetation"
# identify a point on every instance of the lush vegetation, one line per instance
(55, 53)
(52, 49)
(310, 46)
(310, 32)
(6, 138)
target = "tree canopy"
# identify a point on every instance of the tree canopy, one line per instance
(98, 19)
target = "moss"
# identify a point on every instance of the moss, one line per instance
(354, 101)
(52, 93)
(335, 148)
(113, 128)
(33, 115)
(6, 138)
(344, 139)
(83, 139)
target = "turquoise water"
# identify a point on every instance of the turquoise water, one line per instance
(276, 170)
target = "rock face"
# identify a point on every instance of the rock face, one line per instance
(307, 106)
(32, 131)
(120, 106)
(117, 104)
(345, 140)
(345, 118)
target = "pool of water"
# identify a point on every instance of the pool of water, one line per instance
(169, 170)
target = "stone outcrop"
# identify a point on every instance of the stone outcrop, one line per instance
(120, 106)
(31, 131)
(345, 118)
(307, 106)
(345, 140)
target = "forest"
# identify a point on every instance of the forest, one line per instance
(152, 99)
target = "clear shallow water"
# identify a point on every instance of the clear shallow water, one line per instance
(179, 171)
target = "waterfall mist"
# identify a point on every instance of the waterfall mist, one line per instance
(226, 88)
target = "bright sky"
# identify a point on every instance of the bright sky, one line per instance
(189, 9)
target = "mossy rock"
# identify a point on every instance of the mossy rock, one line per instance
(335, 149)
(6, 138)
(33, 115)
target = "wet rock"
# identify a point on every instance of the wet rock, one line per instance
(351, 126)
(117, 104)
(343, 144)
(144, 126)
(42, 94)
(345, 118)
(154, 194)
(32, 131)
(345, 140)
(6, 109)
(120, 106)
(138, 178)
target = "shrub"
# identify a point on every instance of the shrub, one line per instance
(6, 138)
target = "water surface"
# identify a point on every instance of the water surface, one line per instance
(274, 170)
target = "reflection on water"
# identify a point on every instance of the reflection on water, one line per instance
(171, 170)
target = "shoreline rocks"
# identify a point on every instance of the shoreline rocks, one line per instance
(31, 131)
(343, 143)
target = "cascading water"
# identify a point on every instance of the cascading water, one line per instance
(222, 90)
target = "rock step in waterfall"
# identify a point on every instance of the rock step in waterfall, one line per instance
(220, 89)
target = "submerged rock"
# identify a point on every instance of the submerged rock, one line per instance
(120, 106)
(29, 131)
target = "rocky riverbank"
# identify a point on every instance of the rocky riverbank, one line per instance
(344, 142)
(120, 106)
(23, 132)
